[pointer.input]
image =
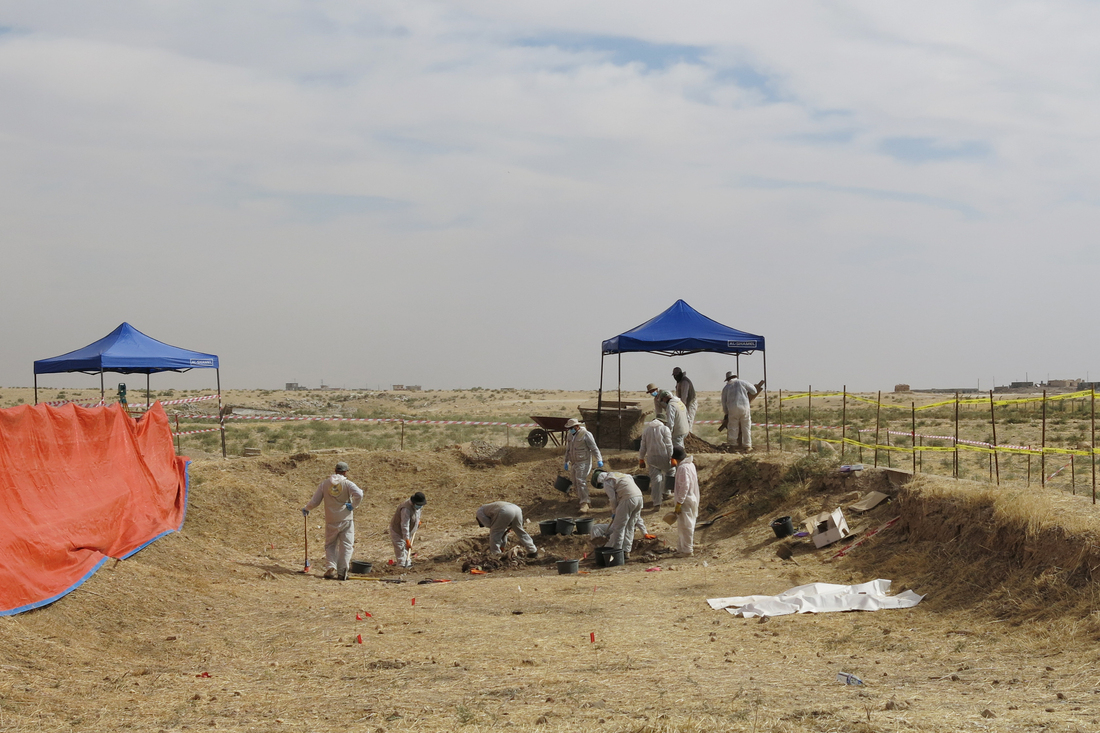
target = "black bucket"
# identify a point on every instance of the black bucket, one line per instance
(642, 480)
(359, 568)
(783, 527)
(563, 484)
(568, 567)
(584, 524)
(565, 525)
(609, 557)
(548, 526)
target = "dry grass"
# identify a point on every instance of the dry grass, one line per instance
(512, 649)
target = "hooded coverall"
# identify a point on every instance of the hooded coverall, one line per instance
(499, 517)
(336, 491)
(678, 420)
(656, 451)
(735, 405)
(579, 449)
(626, 508)
(685, 390)
(403, 527)
(687, 495)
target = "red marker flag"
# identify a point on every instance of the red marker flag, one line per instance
(358, 617)
(359, 638)
(592, 637)
(414, 602)
(367, 613)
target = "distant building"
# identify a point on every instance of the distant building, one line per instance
(902, 388)
(1064, 383)
(1021, 385)
(406, 388)
(292, 387)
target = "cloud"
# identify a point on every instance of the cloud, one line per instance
(619, 50)
(926, 149)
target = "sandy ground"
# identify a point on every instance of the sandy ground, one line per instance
(216, 627)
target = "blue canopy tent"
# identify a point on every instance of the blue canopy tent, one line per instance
(678, 331)
(127, 350)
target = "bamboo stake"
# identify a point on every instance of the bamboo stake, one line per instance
(993, 422)
(913, 438)
(956, 436)
(843, 423)
(1043, 456)
(878, 421)
(1093, 456)
(780, 419)
(810, 419)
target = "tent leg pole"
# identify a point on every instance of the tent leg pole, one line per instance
(102, 389)
(767, 434)
(221, 412)
(599, 401)
(147, 403)
(620, 400)
(36, 388)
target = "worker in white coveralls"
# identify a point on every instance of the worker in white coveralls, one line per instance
(655, 453)
(403, 528)
(626, 507)
(685, 390)
(341, 497)
(580, 448)
(677, 417)
(686, 497)
(736, 396)
(658, 405)
(501, 517)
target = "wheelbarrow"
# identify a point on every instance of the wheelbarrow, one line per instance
(549, 428)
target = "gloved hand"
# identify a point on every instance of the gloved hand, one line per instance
(408, 544)
(348, 506)
(649, 536)
(566, 466)
(305, 512)
(641, 463)
(599, 464)
(679, 508)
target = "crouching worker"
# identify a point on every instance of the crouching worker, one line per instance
(341, 497)
(626, 508)
(686, 497)
(403, 528)
(500, 517)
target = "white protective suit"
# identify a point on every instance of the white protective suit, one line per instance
(403, 527)
(687, 495)
(580, 447)
(626, 509)
(499, 517)
(678, 420)
(656, 451)
(685, 390)
(735, 406)
(336, 491)
(658, 406)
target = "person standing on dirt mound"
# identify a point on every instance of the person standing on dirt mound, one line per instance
(655, 452)
(677, 417)
(500, 517)
(626, 508)
(341, 497)
(685, 390)
(737, 420)
(686, 497)
(580, 447)
(403, 528)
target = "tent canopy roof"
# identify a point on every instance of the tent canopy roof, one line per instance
(683, 330)
(127, 350)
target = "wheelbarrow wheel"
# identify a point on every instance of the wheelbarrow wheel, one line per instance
(538, 438)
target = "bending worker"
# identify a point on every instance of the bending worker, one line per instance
(658, 405)
(736, 396)
(626, 508)
(685, 390)
(500, 517)
(341, 497)
(655, 452)
(580, 446)
(677, 417)
(687, 500)
(403, 528)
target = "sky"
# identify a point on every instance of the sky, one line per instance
(477, 194)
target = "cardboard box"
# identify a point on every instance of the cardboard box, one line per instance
(827, 528)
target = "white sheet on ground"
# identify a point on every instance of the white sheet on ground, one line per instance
(819, 598)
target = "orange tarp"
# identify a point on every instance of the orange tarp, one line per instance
(77, 486)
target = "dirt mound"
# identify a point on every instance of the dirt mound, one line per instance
(513, 558)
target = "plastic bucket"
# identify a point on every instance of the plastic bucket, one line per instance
(584, 524)
(548, 526)
(360, 568)
(609, 557)
(783, 527)
(565, 525)
(563, 484)
(568, 567)
(642, 480)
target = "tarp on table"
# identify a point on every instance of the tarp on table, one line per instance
(127, 350)
(78, 486)
(680, 330)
